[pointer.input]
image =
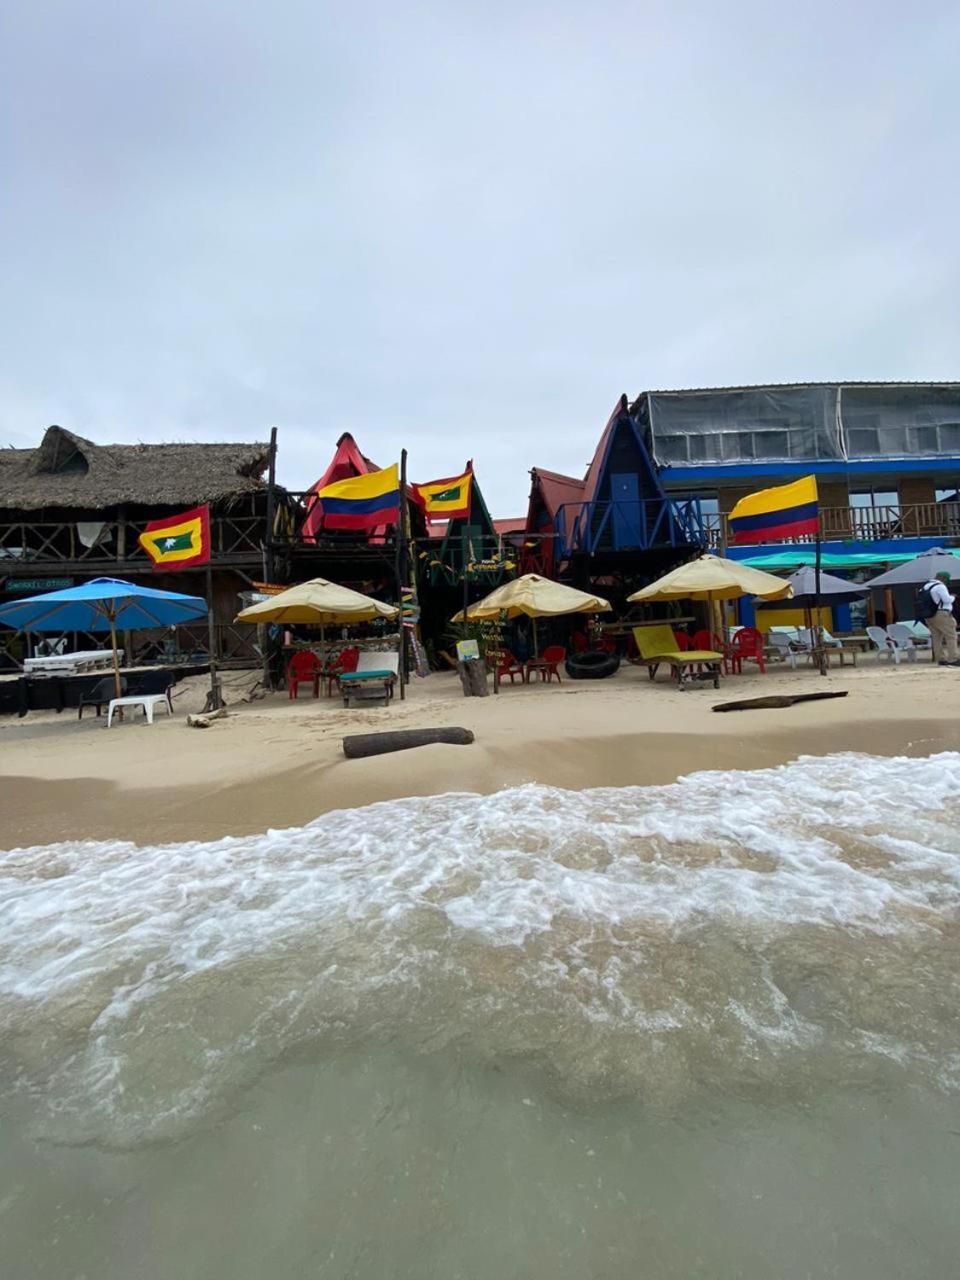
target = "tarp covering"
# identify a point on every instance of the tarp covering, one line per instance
(809, 423)
(714, 578)
(317, 602)
(534, 597)
(797, 556)
(697, 428)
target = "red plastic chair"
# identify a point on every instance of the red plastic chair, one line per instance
(548, 664)
(707, 640)
(683, 642)
(580, 642)
(747, 644)
(346, 661)
(509, 666)
(304, 668)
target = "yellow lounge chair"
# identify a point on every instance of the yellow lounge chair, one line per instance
(659, 644)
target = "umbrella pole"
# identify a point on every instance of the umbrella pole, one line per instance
(817, 636)
(212, 644)
(323, 651)
(116, 657)
(536, 643)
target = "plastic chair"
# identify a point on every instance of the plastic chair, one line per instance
(344, 664)
(548, 664)
(683, 642)
(785, 650)
(884, 644)
(906, 641)
(747, 645)
(580, 642)
(509, 666)
(101, 694)
(303, 668)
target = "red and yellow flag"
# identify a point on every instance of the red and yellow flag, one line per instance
(178, 542)
(446, 499)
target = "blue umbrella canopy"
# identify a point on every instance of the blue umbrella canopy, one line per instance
(104, 604)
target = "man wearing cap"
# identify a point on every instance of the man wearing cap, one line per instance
(943, 629)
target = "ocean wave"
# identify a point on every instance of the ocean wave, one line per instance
(765, 930)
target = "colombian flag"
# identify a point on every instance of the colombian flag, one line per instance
(446, 499)
(178, 541)
(362, 502)
(789, 511)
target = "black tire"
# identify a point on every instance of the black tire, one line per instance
(593, 665)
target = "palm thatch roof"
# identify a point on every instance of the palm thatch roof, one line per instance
(66, 470)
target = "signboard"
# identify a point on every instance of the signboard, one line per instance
(468, 650)
(34, 586)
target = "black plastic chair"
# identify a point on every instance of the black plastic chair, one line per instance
(101, 693)
(155, 682)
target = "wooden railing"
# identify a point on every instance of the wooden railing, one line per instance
(232, 537)
(868, 524)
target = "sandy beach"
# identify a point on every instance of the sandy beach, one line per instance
(276, 763)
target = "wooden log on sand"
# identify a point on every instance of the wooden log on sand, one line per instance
(359, 745)
(778, 700)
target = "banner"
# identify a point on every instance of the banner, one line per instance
(789, 511)
(446, 499)
(178, 542)
(362, 502)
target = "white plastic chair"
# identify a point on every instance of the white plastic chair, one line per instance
(884, 644)
(919, 634)
(902, 638)
(783, 647)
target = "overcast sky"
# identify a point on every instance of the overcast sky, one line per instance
(463, 229)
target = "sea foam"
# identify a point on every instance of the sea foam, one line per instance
(757, 930)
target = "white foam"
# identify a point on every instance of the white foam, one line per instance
(663, 924)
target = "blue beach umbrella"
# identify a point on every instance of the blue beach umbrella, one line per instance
(104, 604)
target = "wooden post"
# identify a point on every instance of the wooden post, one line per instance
(271, 508)
(817, 634)
(401, 573)
(214, 695)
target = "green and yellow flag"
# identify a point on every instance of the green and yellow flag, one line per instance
(446, 499)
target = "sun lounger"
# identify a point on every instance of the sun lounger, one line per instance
(71, 664)
(907, 638)
(373, 680)
(656, 645)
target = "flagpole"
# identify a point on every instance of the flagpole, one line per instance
(817, 634)
(214, 695)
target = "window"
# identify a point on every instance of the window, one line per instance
(875, 498)
(875, 513)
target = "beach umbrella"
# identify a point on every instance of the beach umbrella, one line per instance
(714, 578)
(532, 596)
(918, 570)
(316, 603)
(100, 605)
(832, 591)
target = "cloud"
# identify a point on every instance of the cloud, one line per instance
(462, 230)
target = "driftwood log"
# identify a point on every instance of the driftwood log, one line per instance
(359, 745)
(778, 700)
(202, 721)
(473, 677)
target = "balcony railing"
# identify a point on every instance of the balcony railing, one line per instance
(623, 525)
(232, 537)
(868, 524)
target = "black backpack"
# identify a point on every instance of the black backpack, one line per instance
(925, 607)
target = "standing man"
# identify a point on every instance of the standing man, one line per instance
(943, 628)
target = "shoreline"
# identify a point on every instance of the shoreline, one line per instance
(278, 763)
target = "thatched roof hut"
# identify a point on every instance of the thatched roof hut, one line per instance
(68, 472)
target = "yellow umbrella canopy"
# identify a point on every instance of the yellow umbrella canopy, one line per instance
(533, 597)
(714, 578)
(316, 603)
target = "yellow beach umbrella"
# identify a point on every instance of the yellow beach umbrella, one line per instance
(714, 578)
(533, 597)
(317, 602)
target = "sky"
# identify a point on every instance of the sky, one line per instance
(463, 229)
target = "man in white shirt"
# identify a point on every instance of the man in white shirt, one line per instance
(943, 629)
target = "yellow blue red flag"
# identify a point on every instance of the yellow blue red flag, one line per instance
(788, 511)
(177, 542)
(446, 499)
(362, 502)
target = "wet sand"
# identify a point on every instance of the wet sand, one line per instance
(277, 763)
